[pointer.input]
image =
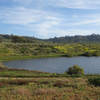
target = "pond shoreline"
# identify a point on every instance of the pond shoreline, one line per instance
(21, 57)
(11, 58)
(23, 73)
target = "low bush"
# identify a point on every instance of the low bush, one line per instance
(60, 84)
(94, 81)
(75, 70)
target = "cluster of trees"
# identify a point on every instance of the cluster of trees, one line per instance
(17, 39)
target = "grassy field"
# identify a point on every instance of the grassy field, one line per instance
(48, 89)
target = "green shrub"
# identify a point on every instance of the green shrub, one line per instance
(94, 81)
(75, 70)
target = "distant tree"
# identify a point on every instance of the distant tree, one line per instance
(75, 70)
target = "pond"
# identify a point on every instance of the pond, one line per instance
(57, 65)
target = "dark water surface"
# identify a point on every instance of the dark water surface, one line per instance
(59, 65)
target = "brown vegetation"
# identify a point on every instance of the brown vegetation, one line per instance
(48, 89)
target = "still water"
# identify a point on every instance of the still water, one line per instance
(58, 65)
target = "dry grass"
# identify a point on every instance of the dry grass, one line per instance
(50, 89)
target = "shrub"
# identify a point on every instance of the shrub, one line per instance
(59, 84)
(75, 70)
(94, 81)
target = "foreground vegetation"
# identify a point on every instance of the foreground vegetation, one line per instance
(34, 85)
(48, 89)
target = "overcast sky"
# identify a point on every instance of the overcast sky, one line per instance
(50, 18)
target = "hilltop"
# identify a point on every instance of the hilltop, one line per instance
(94, 38)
